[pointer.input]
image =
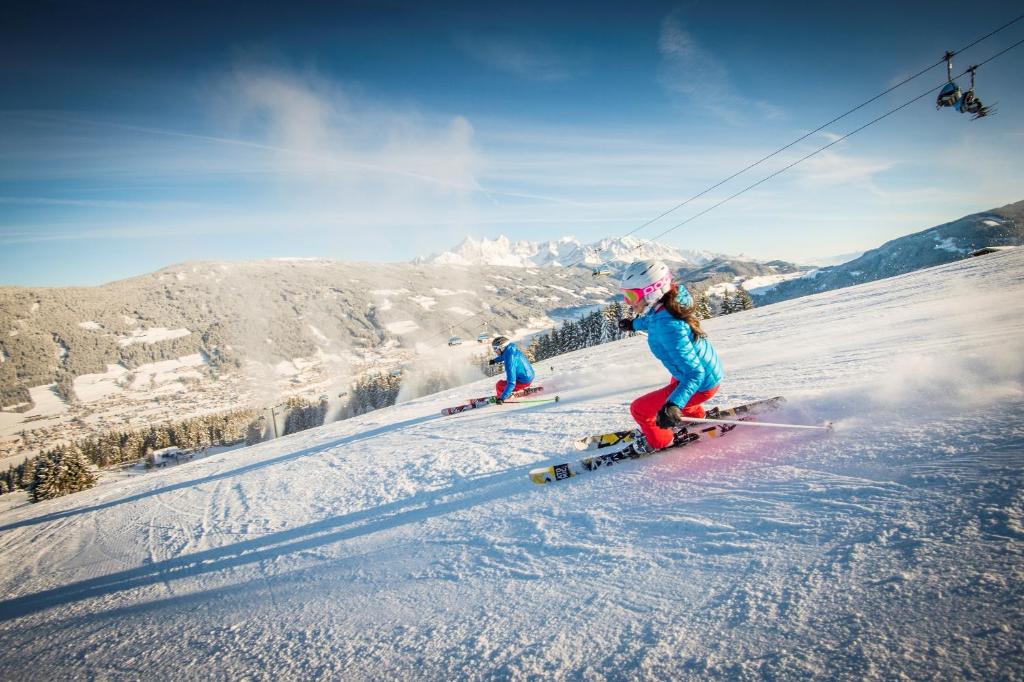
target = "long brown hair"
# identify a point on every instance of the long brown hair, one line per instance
(686, 313)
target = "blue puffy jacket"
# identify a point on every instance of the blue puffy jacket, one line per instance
(692, 361)
(518, 369)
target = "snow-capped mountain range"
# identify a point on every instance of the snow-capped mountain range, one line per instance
(565, 252)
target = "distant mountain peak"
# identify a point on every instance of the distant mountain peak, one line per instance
(562, 252)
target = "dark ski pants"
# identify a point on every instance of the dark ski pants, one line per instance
(645, 410)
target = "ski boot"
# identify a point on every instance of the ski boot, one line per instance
(638, 447)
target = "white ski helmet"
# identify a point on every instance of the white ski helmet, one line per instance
(646, 279)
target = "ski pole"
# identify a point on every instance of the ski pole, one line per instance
(539, 400)
(737, 422)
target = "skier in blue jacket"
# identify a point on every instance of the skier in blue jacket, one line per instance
(665, 311)
(518, 370)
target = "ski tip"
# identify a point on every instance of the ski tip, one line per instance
(542, 476)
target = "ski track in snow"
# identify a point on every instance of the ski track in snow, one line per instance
(403, 544)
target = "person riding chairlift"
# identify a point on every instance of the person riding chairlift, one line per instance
(964, 102)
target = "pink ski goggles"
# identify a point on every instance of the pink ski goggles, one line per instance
(636, 295)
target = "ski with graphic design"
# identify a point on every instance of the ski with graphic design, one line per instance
(487, 400)
(615, 439)
(636, 449)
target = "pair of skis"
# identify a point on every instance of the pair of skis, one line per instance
(623, 445)
(476, 403)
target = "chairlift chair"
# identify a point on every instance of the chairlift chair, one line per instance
(950, 95)
(971, 103)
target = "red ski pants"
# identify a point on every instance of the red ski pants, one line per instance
(645, 410)
(500, 387)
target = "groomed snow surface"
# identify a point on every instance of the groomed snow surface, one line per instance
(404, 545)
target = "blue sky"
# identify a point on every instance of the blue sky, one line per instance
(134, 136)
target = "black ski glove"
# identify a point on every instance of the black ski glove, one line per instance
(626, 324)
(493, 361)
(669, 416)
(499, 401)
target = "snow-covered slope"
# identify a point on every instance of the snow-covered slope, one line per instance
(945, 243)
(403, 545)
(563, 252)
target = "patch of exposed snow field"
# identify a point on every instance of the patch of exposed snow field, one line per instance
(402, 327)
(948, 244)
(153, 335)
(425, 302)
(764, 283)
(406, 545)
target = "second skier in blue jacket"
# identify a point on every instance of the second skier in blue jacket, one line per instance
(519, 372)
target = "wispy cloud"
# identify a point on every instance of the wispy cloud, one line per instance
(315, 127)
(701, 79)
(77, 232)
(294, 146)
(830, 168)
(529, 60)
(94, 203)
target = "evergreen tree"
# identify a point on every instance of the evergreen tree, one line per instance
(45, 476)
(162, 438)
(61, 471)
(8, 480)
(77, 471)
(132, 447)
(235, 426)
(108, 449)
(26, 473)
(201, 432)
(728, 306)
(704, 307)
(374, 391)
(528, 352)
(303, 414)
(742, 300)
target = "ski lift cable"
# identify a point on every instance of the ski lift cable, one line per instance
(805, 136)
(834, 142)
(782, 149)
(822, 127)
